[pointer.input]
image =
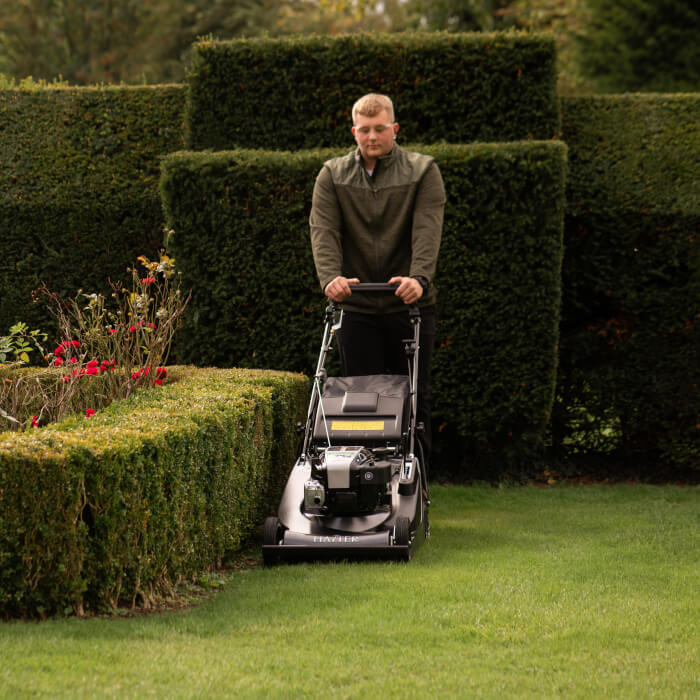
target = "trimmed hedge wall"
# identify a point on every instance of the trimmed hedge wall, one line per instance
(630, 335)
(297, 93)
(78, 187)
(241, 222)
(117, 507)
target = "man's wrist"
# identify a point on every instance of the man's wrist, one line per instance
(422, 281)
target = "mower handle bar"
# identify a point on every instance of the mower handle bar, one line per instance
(373, 287)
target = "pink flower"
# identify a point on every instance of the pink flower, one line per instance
(35, 421)
(89, 412)
(147, 280)
(58, 362)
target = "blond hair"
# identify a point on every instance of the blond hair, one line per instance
(370, 105)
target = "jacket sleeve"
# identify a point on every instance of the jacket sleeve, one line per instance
(428, 212)
(325, 229)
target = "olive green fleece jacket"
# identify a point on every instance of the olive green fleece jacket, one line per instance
(380, 226)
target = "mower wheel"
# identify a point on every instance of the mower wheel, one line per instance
(402, 531)
(272, 531)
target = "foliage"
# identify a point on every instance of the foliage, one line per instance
(629, 45)
(15, 347)
(258, 303)
(105, 352)
(78, 188)
(642, 45)
(86, 41)
(114, 508)
(630, 333)
(501, 87)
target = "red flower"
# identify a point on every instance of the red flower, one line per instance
(58, 362)
(66, 379)
(161, 372)
(147, 280)
(112, 331)
(135, 375)
(107, 365)
(65, 345)
(90, 370)
(151, 325)
(89, 412)
(35, 421)
(92, 363)
(157, 382)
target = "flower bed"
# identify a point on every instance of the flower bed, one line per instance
(116, 507)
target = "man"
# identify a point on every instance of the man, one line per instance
(376, 216)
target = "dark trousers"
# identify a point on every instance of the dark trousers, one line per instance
(373, 344)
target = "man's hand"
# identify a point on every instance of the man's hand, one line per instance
(409, 289)
(339, 288)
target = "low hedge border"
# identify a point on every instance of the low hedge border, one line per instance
(116, 508)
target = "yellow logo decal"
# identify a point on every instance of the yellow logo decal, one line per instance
(357, 425)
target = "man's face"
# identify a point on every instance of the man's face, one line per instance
(374, 135)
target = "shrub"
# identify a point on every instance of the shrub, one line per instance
(78, 188)
(258, 303)
(256, 93)
(160, 486)
(630, 332)
(126, 346)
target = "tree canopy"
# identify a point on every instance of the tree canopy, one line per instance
(625, 45)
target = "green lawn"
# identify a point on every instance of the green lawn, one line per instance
(561, 592)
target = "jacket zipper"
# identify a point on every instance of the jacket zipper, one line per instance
(376, 235)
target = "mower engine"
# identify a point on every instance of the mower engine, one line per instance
(347, 480)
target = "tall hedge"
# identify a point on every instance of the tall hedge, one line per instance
(117, 507)
(293, 93)
(241, 240)
(630, 342)
(78, 187)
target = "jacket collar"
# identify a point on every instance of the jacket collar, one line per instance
(383, 161)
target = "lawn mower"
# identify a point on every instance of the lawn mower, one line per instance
(358, 488)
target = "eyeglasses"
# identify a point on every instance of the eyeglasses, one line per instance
(378, 129)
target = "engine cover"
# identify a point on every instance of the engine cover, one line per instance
(353, 480)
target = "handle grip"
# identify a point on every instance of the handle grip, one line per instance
(373, 287)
